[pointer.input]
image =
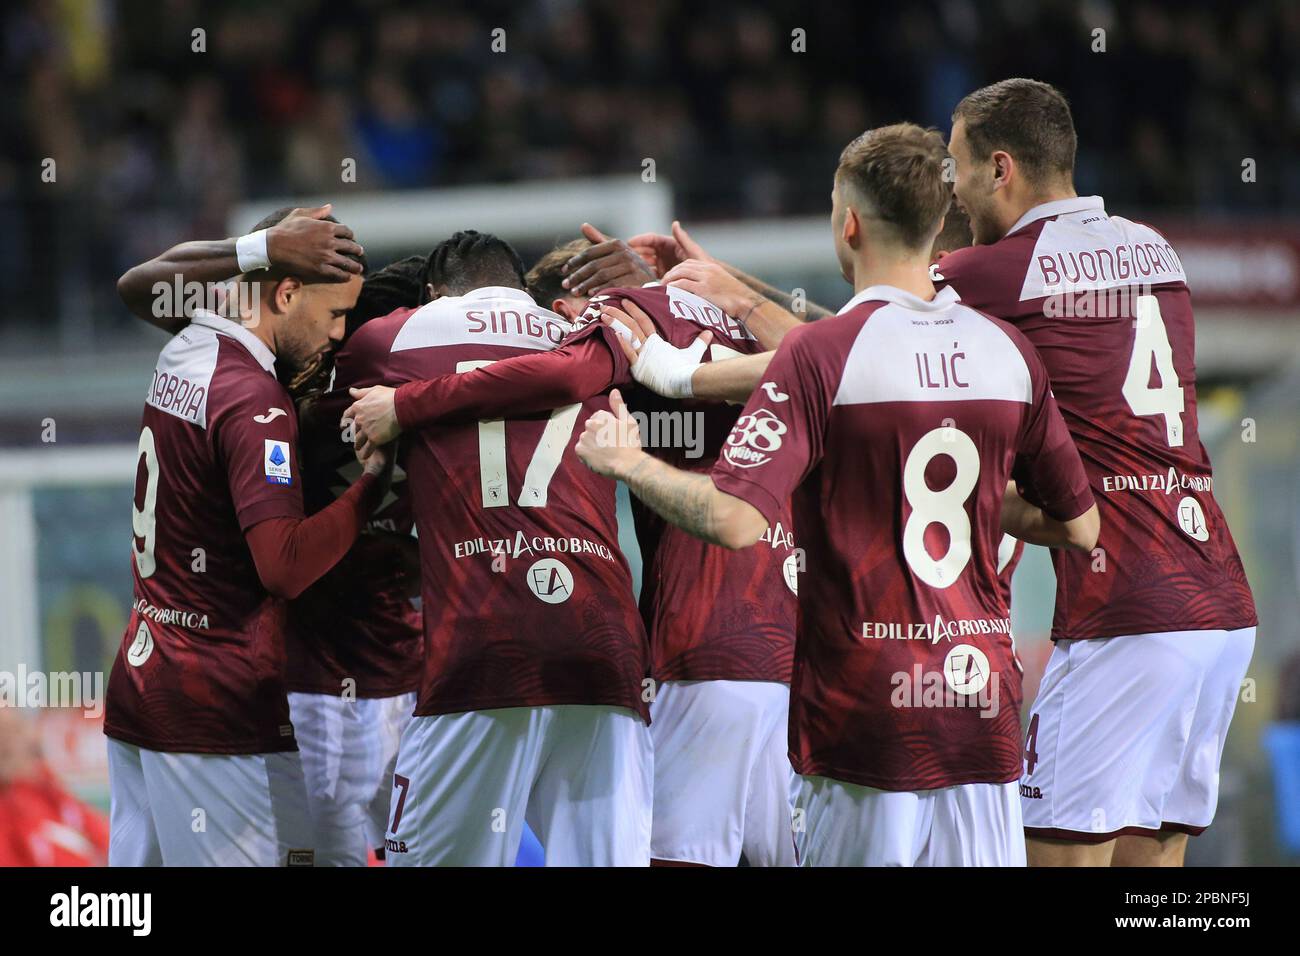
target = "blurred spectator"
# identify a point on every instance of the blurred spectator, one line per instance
(741, 118)
(41, 824)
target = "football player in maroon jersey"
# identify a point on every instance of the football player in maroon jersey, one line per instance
(532, 703)
(355, 641)
(203, 764)
(721, 623)
(353, 638)
(1154, 630)
(897, 424)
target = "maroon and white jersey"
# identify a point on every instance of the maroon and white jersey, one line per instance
(713, 614)
(1105, 301)
(527, 597)
(896, 425)
(1010, 551)
(201, 666)
(358, 623)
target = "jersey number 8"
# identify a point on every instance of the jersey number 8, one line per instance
(946, 507)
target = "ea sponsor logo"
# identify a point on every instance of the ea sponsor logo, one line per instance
(753, 438)
(966, 669)
(551, 581)
(790, 568)
(142, 647)
(1192, 519)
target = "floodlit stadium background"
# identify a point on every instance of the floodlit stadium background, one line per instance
(626, 115)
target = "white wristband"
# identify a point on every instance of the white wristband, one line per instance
(250, 251)
(666, 369)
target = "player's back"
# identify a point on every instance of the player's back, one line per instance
(527, 597)
(906, 677)
(357, 623)
(200, 667)
(713, 614)
(1106, 303)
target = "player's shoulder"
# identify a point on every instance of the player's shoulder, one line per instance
(1004, 260)
(376, 336)
(211, 366)
(824, 344)
(652, 299)
(244, 377)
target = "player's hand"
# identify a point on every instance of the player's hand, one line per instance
(664, 252)
(630, 324)
(709, 280)
(377, 460)
(606, 263)
(655, 362)
(610, 444)
(308, 246)
(374, 417)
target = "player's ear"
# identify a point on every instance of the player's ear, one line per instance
(562, 307)
(852, 231)
(1003, 168)
(286, 293)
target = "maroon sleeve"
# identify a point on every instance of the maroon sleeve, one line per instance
(1048, 471)
(292, 553)
(774, 444)
(260, 455)
(585, 365)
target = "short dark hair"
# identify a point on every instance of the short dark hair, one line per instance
(955, 233)
(547, 273)
(470, 260)
(898, 171)
(1027, 118)
(281, 214)
(396, 286)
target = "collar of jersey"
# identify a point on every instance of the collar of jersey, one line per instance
(888, 293)
(499, 292)
(265, 357)
(1058, 207)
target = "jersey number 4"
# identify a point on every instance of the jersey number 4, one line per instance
(1151, 341)
(492, 458)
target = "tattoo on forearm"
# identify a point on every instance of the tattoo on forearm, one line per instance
(682, 498)
(810, 310)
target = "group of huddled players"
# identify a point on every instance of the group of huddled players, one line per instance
(823, 639)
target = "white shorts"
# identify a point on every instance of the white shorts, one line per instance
(723, 780)
(580, 775)
(974, 824)
(1127, 733)
(349, 749)
(206, 809)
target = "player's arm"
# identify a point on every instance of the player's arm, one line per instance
(803, 310)
(610, 445)
(1048, 500)
(1032, 524)
(264, 474)
(292, 553)
(303, 243)
(511, 387)
(767, 320)
(679, 373)
(733, 503)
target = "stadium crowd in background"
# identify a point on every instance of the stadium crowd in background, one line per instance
(157, 141)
